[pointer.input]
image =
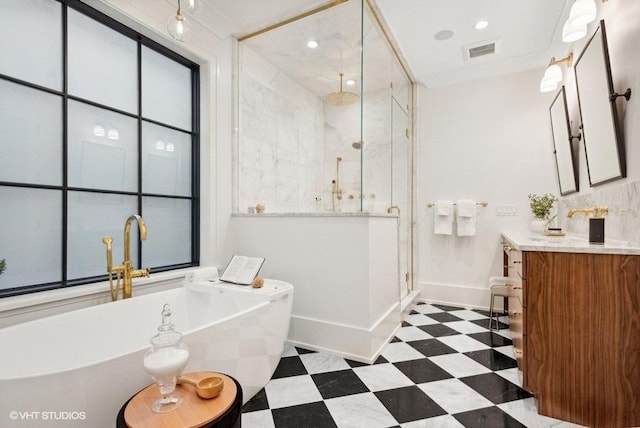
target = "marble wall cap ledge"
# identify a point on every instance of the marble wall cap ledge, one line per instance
(524, 240)
(321, 214)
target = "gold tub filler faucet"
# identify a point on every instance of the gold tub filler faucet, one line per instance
(125, 273)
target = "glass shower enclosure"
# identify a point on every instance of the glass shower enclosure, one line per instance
(324, 120)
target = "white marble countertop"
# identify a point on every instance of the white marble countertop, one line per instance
(531, 241)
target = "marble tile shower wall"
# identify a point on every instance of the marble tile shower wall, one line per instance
(623, 220)
(342, 129)
(290, 140)
(281, 138)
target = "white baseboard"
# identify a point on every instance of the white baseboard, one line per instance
(354, 343)
(457, 295)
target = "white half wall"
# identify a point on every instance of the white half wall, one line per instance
(344, 269)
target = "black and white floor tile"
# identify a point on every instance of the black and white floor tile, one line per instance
(444, 368)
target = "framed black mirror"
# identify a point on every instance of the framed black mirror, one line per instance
(563, 144)
(601, 132)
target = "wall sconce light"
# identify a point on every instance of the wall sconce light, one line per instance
(178, 26)
(582, 12)
(553, 73)
(571, 32)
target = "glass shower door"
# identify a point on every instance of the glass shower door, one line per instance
(401, 190)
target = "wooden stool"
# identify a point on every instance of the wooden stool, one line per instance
(224, 411)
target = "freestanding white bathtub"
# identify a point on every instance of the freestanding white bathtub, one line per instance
(79, 368)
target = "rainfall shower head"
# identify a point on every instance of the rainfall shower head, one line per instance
(357, 145)
(341, 98)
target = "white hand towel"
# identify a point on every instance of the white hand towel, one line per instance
(466, 217)
(443, 218)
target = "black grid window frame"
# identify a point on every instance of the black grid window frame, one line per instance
(194, 198)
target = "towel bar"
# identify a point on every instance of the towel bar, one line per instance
(433, 204)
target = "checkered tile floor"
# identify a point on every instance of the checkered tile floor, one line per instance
(444, 368)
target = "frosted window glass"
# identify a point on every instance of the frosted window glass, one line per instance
(31, 231)
(168, 231)
(31, 129)
(102, 64)
(31, 41)
(91, 217)
(166, 161)
(166, 90)
(103, 150)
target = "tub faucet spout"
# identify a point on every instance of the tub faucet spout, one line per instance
(125, 273)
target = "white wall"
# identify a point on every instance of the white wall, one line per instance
(487, 140)
(491, 140)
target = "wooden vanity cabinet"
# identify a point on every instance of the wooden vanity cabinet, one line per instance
(579, 334)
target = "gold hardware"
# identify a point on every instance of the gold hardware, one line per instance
(507, 248)
(517, 288)
(125, 272)
(393, 207)
(292, 19)
(597, 212)
(516, 313)
(517, 261)
(517, 351)
(566, 60)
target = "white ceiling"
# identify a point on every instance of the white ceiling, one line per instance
(528, 32)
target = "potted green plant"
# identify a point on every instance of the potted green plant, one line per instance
(541, 206)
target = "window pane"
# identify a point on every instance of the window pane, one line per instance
(31, 129)
(31, 41)
(166, 161)
(31, 231)
(168, 231)
(103, 153)
(166, 90)
(102, 64)
(91, 217)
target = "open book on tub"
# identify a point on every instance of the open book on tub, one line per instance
(242, 270)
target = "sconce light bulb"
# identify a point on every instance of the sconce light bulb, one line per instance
(571, 33)
(312, 44)
(582, 12)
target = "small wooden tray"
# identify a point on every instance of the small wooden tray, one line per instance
(194, 411)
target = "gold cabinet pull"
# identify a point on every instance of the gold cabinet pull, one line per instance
(516, 313)
(507, 248)
(517, 261)
(517, 288)
(517, 351)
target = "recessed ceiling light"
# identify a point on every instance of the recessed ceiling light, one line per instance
(481, 24)
(312, 44)
(443, 35)
(350, 82)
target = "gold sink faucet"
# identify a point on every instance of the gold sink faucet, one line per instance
(125, 273)
(597, 212)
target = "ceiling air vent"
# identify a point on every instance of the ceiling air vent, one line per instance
(482, 50)
(487, 47)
